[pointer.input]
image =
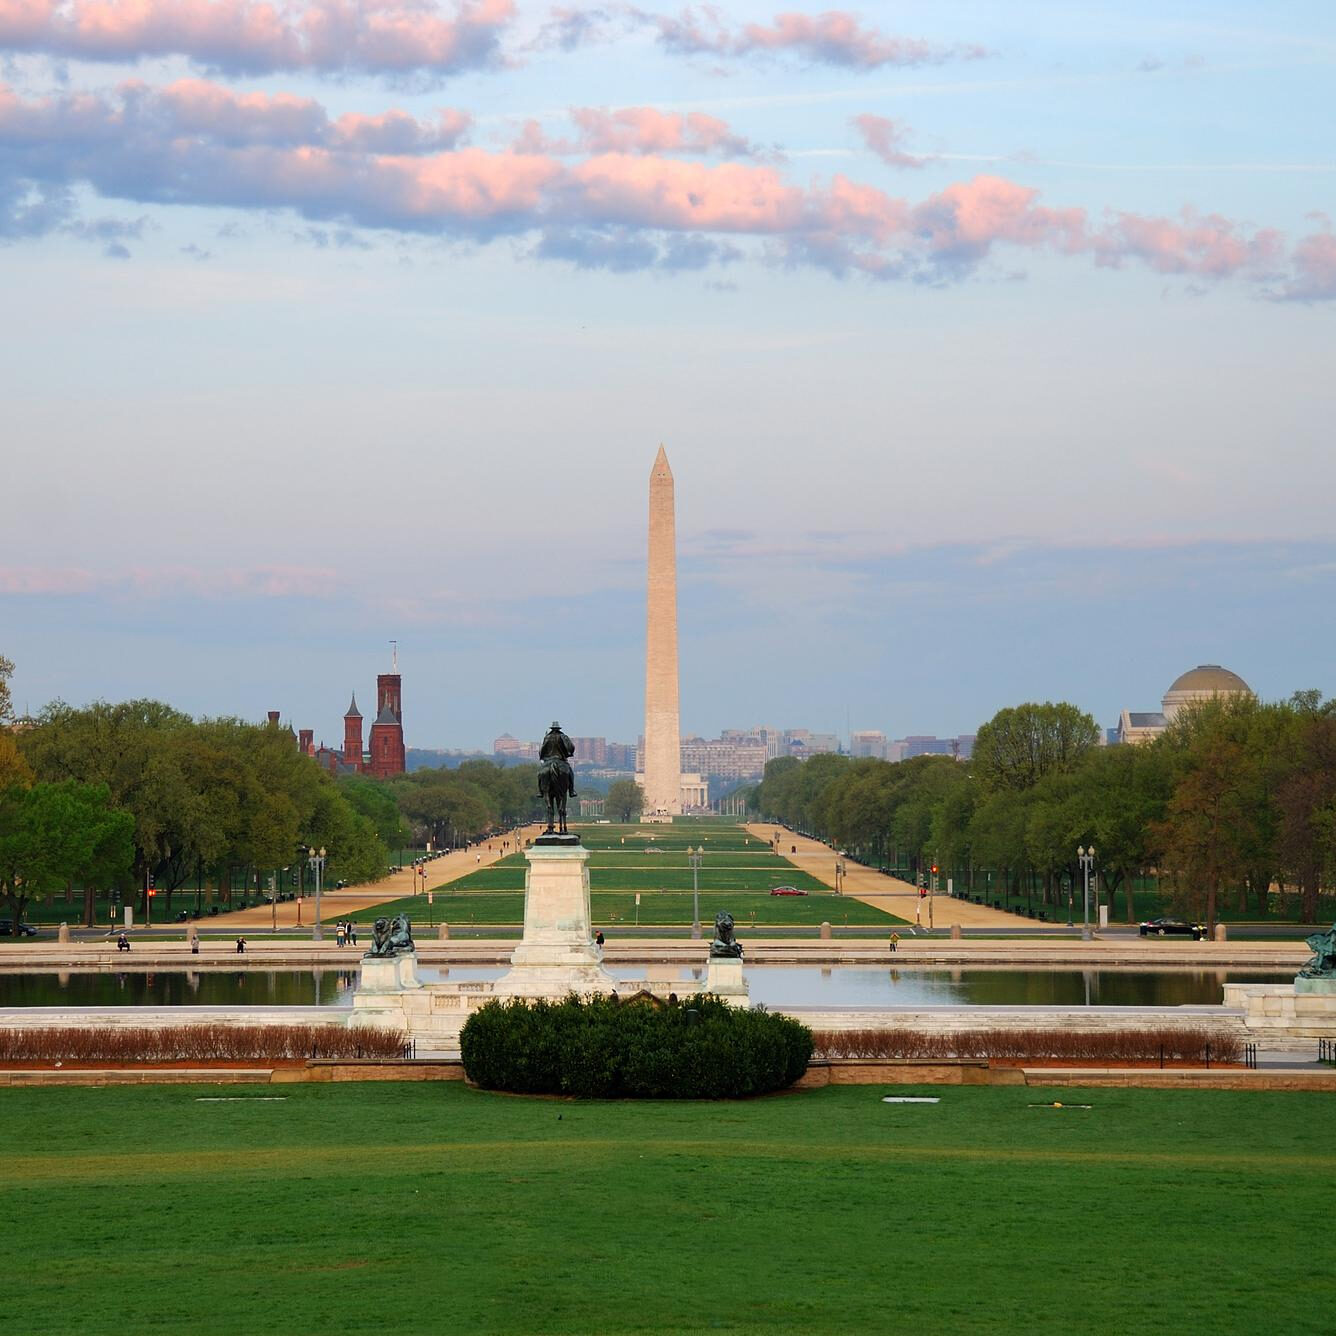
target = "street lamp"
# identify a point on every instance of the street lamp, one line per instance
(693, 857)
(1086, 857)
(316, 862)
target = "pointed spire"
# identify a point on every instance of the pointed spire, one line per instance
(661, 469)
(353, 712)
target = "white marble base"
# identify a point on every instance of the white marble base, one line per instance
(556, 955)
(1281, 1011)
(723, 977)
(388, 974)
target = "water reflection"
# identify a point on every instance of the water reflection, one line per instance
(774, 985)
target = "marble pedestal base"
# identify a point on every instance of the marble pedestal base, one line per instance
(723, 977)
(388, 974)
(1317, 987)
(557, 954)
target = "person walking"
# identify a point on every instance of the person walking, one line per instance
(352, 933)
(895, 942)
(338, 933)
(598, 939)
(241, 946)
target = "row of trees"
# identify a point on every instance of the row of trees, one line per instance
(112, 797)
(1235, 797)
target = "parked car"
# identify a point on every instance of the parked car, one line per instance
(25, 929)
(786, 890)
(1172, 927)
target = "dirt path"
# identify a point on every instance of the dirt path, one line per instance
(872, 887)
(337, 904)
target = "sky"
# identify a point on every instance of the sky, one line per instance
(991, 344)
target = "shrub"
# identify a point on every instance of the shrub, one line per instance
(605, 1049)
(195, 1043)
(1172, 1043)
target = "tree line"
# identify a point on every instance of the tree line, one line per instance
(115, 798)
(1234, 798)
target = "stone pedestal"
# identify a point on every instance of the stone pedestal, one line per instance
(723, 977)
(557, 954)
(388, 974)
(1316, 987)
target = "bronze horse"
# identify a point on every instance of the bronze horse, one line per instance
(556, 783)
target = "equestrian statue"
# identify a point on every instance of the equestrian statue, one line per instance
(556, 779)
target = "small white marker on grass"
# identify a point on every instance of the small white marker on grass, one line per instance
(910, 1099)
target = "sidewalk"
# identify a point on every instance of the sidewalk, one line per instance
(347, 902)
(875, 888)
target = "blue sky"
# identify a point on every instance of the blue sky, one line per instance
(991, 346)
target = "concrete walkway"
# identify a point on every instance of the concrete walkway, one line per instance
(875, 888)
(345, 903)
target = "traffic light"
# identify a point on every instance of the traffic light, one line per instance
(934, 869)
(152, 881)
(923, 893)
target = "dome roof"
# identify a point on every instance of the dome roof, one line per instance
(1210, 679)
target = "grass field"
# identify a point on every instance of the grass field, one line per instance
(736, 873)
(406, 1208)
(617, 908)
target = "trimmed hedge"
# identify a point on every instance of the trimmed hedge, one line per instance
(701, 1048)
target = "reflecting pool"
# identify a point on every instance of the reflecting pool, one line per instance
(774, 985)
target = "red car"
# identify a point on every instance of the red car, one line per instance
(786, 890)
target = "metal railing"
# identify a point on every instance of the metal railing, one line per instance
(1250, 1056)
(1326, 1050)
(409, 1051)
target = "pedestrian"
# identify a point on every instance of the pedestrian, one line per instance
(598, 939)
(241, 946)
(194, 946)
(895, 942)
(352, 933)
(338, 934)
(478, 857)
(122, 943)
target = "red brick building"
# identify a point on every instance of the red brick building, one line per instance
(384, 754)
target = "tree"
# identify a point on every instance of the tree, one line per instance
(625, 800)
(1018, 746)
(13, 768)
(51, 834)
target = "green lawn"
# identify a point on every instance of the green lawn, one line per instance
(619, 908)
(409, 1208)
(736, 873)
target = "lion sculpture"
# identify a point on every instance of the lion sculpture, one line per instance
(392, 937)
(725, 946)
(1323, 963)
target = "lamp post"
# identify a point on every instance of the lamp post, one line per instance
(1086, 857)
(317, 864)
(693, 857)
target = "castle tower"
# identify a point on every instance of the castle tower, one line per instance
(389, 691)
(662, 755)
(352, 736)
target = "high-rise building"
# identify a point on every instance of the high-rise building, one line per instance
(868, 742)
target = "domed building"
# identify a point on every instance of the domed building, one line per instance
(1207, 681)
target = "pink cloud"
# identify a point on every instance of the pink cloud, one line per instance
(1314, 277)
(637, 130)
(886, 138)
(1208, 245)
(835, 37)
(620, 208)
(378, 36)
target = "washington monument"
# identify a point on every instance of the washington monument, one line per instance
(662, 757)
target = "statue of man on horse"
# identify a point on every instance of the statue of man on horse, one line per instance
(556, 779)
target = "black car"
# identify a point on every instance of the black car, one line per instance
(1172, 927)
(25, 929)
